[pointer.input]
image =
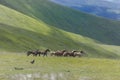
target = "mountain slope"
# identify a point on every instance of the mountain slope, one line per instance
(100, 29)
(20, 32)
(104, 8)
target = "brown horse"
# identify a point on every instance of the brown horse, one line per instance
(69, 54)
(72, 53)
(66, 54)
(59, 53)
(44, 53)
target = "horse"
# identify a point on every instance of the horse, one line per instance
(34, 53)
(69, 54)
(30, 52)
(52, 53)
(59, 53)
(37, 53)
(80, 53)
(72, 53)
(45, 52)
(66, 54)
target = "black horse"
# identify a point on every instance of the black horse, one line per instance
(44, 53)
(30, 53)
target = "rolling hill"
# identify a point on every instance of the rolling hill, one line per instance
(40, 24)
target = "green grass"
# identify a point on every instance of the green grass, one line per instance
(100, 29)
(68, 68)
(40, 24)
(23, 27)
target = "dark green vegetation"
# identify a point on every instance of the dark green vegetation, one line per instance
(40, 24)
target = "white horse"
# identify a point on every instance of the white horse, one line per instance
(79, 53)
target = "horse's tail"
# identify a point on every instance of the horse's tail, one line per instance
(28, 53)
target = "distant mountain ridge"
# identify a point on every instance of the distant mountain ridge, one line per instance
(99, 11)
(104, 8)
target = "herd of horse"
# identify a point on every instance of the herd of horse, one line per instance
(64, 53)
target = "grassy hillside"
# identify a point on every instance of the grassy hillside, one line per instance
(26, 25)
(100, 29)
(18, 67)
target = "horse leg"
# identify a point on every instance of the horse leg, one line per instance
(45, 54)
(39, 54)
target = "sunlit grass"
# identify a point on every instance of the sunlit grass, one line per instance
(72, 68)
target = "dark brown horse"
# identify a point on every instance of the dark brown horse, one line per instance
(38, 53)
(59, 53)
(44, 53)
